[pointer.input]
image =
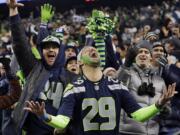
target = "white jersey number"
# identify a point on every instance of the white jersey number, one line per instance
(52, 91)
(105, 107)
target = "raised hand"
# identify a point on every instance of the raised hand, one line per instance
(162, 61)
(47, 12)
(38, 109)
(35, 107)
(130, 56)
(166, 96)
(13, 4)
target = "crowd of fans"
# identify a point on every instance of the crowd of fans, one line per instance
(142, 50)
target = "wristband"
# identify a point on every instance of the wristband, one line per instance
(43, 25)
(45, 117)
(159, 105)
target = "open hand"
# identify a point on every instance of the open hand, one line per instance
(35, 107)
(47, 12)
(13, 4)
(166, 96)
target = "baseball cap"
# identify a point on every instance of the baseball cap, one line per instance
(51, 39)
(69, 59)
(73, 47)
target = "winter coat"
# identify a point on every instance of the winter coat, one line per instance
(37, 75)
(136, 77)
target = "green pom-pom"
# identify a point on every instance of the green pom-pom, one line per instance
(97, 13)
(100, 23)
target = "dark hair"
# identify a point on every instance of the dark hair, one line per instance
(166, 22)
(69, 59)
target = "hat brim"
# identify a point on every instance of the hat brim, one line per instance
(69, 59)
(50, 42)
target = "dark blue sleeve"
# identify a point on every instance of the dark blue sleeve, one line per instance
(21, 46)
(68, 104)
(111, 59)
(89, 42)
(43, 33)
(128, 102)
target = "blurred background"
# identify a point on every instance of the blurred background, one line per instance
(134, 18)
(80, 5)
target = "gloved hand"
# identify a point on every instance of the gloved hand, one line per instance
(47, 12)
(162, 61)
(123, 75)
(130, 56)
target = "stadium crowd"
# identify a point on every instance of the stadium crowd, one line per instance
(109, 71)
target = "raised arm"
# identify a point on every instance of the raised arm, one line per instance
(146, 113)
(65, 112)
(47, 13)
(58, 121)
(21, 45)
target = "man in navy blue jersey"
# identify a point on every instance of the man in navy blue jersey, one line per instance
(91, 105)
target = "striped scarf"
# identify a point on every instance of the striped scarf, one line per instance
(100, 46)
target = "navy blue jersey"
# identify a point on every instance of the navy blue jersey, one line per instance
(51, 95)
(95, 107)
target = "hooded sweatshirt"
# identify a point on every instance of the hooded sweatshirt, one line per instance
(43, 83)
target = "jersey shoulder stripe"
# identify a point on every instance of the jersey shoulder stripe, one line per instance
(75, 90)
(68, 87)
(115, 84)
(123, 87)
